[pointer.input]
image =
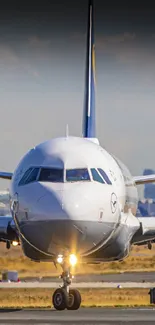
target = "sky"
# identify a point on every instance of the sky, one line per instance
(42, 71)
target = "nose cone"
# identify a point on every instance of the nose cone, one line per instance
(76, 205)
(61, 220)
(68, 217)
(62, 204)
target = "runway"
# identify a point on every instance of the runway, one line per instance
(115, 277)
(83, 316)
(126, 280)
(137, 279)
(79, 285)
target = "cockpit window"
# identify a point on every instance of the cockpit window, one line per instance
(29, 176)
(53, 175)
(96, 176)
(76, 175)
(33, 176)
(104, 175)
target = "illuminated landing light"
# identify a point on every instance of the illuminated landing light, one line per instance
(72, 260)
(60, 259)
(15, 243)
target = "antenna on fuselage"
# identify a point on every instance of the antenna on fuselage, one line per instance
(67, 131)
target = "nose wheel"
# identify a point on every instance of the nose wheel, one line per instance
(74, 301)
(59, 299)
(62, 300)
(64, 297)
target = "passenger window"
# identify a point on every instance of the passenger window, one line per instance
(75, 175)
(96, 176)
(104, 175)
(53, 175)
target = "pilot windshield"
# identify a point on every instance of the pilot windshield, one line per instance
(53, 175)
(75, 175)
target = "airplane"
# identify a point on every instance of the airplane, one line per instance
(73, 202)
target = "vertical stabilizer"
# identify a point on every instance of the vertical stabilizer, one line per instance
(89, 122)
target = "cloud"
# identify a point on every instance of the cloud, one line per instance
(7, 56)
(116, 39)
(11, 62)
(131, 50)
(107, 39)
(37, 42)
(128, 48)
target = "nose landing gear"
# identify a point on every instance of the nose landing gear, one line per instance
(64, 297)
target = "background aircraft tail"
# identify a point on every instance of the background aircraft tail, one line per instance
(89, 118)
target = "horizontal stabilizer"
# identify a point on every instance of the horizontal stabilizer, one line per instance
(6, 175)
(144, 179)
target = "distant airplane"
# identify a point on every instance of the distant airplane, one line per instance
(73, 202)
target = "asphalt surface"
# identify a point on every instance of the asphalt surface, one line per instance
(79, 285)
(126, 280)
(121, 277)
(83, 316)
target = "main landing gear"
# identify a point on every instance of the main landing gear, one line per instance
(64, 297)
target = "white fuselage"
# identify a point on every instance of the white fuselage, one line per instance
(75, 197)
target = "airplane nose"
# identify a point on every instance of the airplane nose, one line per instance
(51, 204)
(61, 210)
(76, 205)
(64, 204)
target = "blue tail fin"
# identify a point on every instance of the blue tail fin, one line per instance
(89, 123)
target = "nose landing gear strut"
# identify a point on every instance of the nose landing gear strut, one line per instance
(64, 297)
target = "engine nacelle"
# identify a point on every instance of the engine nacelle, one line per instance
(7, 229)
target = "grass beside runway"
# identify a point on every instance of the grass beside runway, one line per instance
(41, 298)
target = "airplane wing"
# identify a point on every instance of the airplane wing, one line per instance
(6, 175)
(144, 179)
(8, 231)
(146, 231)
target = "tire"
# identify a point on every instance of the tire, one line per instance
(59, 299)
(74, 300)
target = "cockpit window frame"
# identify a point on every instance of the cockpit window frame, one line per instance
(46, 181)
(100, 179)
(88, 169)
(80, 180)
(104, 176)
(31, 169)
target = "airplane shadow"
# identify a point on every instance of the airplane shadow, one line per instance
(9, 310)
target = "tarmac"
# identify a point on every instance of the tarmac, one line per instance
(113, 277)
(79, 285)
(83, 316)
(126, 280)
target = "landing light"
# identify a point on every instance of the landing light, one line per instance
(72, 259)
(15, 243)
(60, 259)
